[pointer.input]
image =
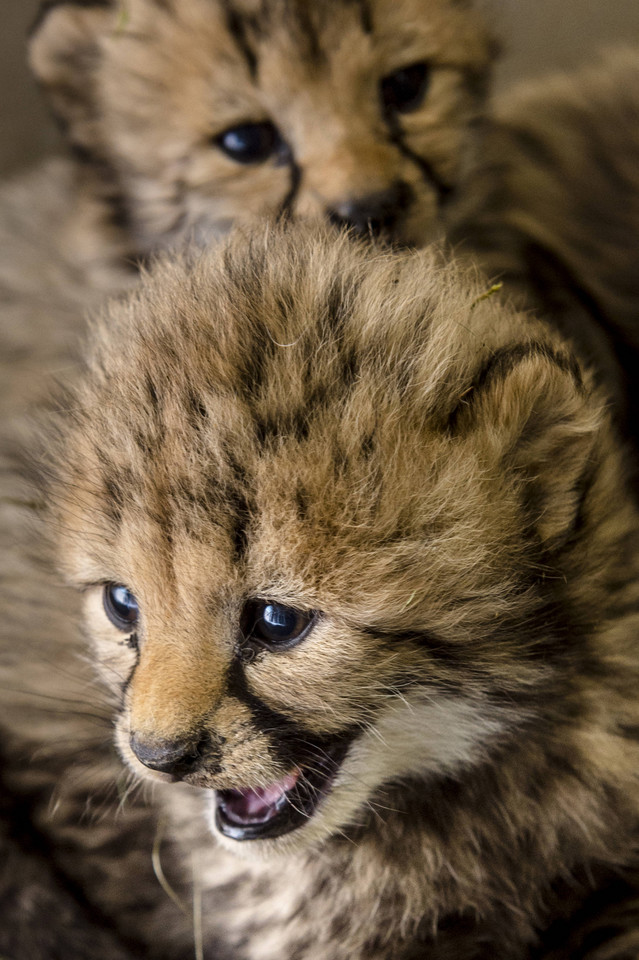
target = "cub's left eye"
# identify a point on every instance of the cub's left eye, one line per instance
(275, 625)
(251, 142)
(121, 607)
(404, 90)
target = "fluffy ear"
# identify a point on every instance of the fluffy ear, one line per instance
(64, 53)
(535, 419)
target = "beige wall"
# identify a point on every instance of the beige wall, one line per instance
(539, 34)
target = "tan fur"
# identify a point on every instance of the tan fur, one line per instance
(144, 89)
(365, 435)
(52, 253)
(554, 211)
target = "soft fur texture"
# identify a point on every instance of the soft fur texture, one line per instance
(542, 188)
(369, 437)
(59, 774)
(145, 90)
(555, 212)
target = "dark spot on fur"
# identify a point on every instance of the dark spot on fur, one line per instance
(196, 407)
(367, 445)
(239, 26)
(113, 500)
(152, 392)
(299, 949)
(365, 15)
(301, 502)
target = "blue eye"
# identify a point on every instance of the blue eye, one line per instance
(250, 142)
(274, 624)
(404, 90)
(120, 606)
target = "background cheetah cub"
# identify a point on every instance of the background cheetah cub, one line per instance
(360, 570)
(190, 114)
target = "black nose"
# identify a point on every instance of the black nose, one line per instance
(375, 213)
(177, 757)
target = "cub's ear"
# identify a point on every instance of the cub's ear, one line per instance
(537, 423)
(64, 54)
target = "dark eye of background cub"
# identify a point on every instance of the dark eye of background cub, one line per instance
(405, 89)
(251, 142)
(274, 625)
(120, 606)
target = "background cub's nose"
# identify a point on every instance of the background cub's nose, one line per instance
(375, 213)
(177, 757)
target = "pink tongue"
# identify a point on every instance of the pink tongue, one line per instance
(259, 803)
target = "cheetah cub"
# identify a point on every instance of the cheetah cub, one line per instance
(187, 115)
(360, 570)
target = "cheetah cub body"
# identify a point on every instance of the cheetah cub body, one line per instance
(360, 569)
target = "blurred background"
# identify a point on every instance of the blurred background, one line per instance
(538, 35)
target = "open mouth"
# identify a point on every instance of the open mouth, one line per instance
(257, 813)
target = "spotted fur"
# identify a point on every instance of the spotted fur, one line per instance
(366, 436)
(146, 89)
(59, 774)
(542, 188)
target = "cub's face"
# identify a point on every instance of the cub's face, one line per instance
(322, 508)
(197, 113)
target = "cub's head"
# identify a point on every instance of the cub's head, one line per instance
(328, 508)
(196, 113)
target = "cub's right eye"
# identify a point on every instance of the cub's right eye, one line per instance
(250, 142)
(275, 626)
(120, 606)
(404, 90)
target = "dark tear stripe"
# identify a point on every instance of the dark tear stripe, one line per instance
(48, 5)
(132, 643)
(444, 190)
(291, 743)
(502, 363)
(295, 180)
(237, 28)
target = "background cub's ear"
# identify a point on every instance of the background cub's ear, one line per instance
(64, 54)
(537, 423)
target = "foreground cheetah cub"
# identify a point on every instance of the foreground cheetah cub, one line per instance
(360, 569)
